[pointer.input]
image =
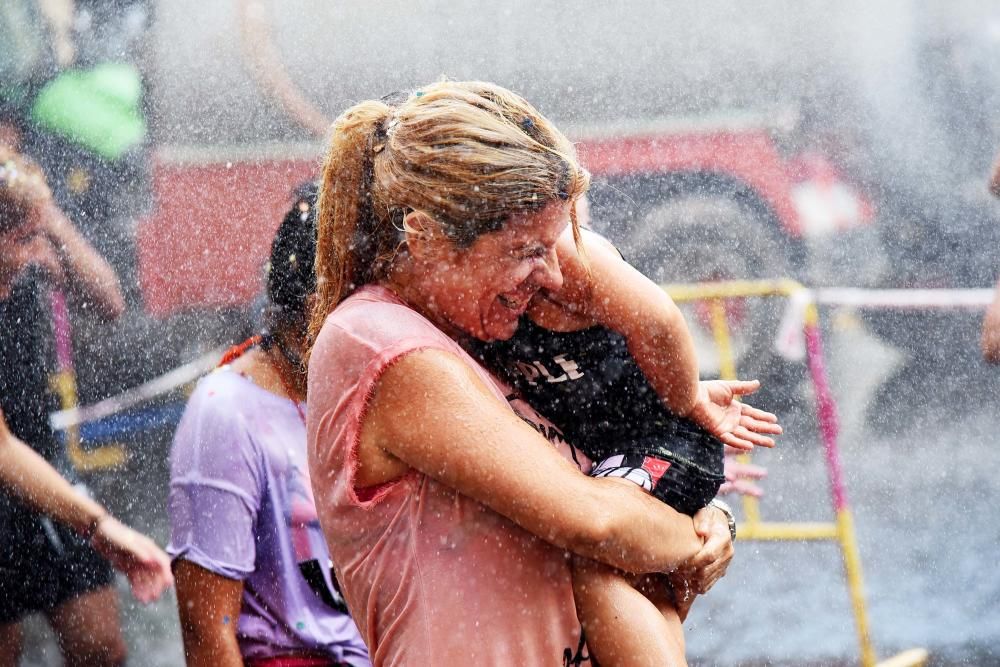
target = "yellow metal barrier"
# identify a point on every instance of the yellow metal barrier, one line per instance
(753, 527)
(63, 384)
(101, 458)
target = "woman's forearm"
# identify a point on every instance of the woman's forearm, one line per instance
(431, 412)
(635, 532)
(30, 477)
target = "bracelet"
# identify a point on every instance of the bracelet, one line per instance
(728, 511)
(94, 524)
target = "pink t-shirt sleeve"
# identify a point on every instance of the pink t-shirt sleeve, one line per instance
(359, 342)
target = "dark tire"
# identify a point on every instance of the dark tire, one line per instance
(691, 238)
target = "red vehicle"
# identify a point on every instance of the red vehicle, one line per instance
(686, 202)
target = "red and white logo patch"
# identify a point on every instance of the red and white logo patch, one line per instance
(655, 468)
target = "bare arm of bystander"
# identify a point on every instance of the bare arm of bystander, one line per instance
(28, 476)
(990, 341)
(87, 272)
(209, 608)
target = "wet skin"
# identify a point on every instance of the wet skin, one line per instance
(482, 291)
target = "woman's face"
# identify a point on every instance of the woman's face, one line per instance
(483, 290)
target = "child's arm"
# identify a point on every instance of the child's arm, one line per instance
(609, 291)
(605, 289)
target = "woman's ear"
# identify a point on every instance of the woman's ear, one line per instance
(423, 237)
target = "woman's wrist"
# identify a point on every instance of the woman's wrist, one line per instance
(728, 513)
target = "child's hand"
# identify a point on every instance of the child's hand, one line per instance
(736, 424)
(740, 477)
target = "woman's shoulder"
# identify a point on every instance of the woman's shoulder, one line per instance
(220, 398)
(223, 382)
(215, 432)
(375, 318)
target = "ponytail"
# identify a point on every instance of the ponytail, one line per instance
(345, 250)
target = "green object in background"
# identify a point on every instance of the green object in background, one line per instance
(97, 108)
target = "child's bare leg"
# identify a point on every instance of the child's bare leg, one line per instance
(664, 595)
(622, 626)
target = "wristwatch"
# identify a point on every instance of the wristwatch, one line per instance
(728, 511)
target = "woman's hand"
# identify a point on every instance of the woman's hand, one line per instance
(145, 564)
(705, 568)
(710, 563)
(736, 424)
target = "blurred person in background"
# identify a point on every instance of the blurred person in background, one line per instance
(990, 341)
(46, 567)
(30, 477)
(254, 579)
(72, 95)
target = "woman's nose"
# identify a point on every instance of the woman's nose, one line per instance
(549, 276)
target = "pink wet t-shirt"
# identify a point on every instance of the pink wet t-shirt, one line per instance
(432, 577)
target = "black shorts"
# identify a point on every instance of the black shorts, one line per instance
(684, 469)
(43, 564)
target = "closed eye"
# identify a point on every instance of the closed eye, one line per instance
(533, 252)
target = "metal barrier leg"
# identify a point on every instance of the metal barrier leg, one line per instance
(108, 456)
(64, 384)
(826, 414)
(727, 371)
(843, 528)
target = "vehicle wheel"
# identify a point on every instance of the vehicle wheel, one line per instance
(694, 238)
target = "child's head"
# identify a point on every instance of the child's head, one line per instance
(291, 279)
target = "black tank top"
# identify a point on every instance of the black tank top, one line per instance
(587, 384)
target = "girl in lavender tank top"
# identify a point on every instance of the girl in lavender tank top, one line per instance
(254, 582)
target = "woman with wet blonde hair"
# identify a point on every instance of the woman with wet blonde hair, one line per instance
(452, 512)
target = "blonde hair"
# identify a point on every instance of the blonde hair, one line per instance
(469, 155)
(22, 188)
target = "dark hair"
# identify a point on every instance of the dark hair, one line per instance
(291, 277)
